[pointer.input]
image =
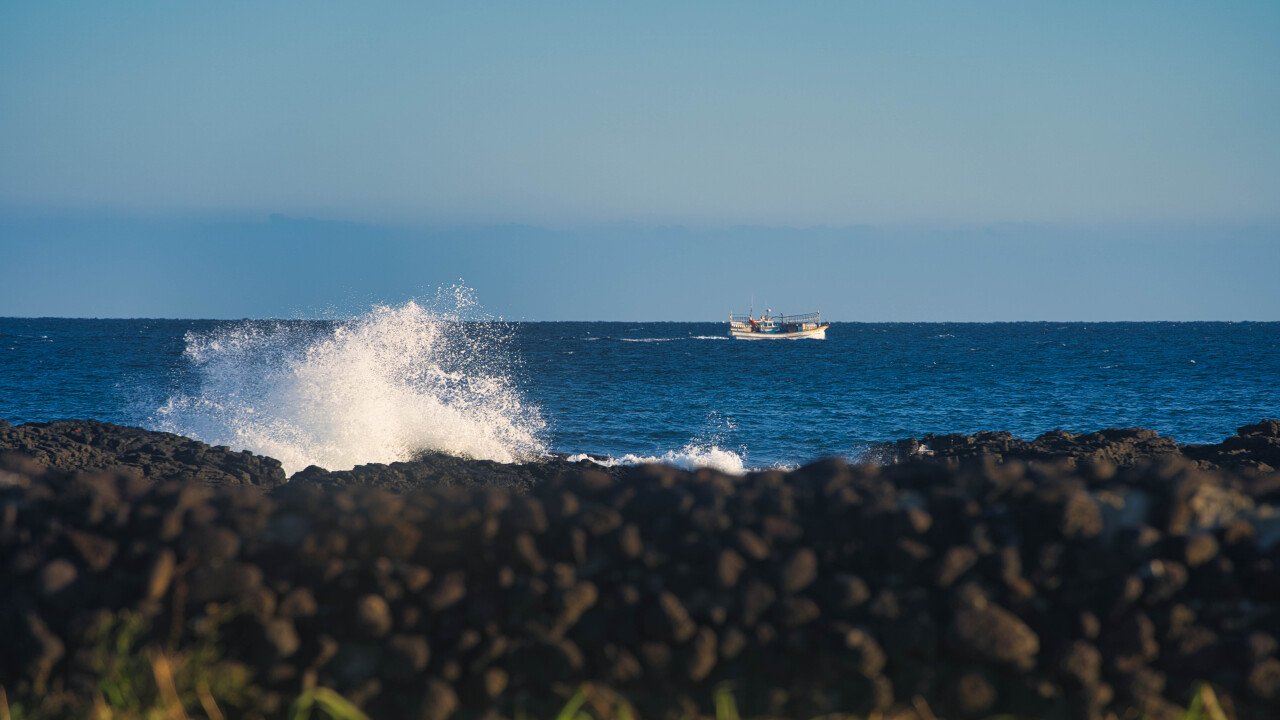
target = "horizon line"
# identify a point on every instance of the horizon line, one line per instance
(642, 322)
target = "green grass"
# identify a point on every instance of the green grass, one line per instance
(726, 707)
(326, 701)
(139, 682)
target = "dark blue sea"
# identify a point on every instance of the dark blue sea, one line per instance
(401, 380)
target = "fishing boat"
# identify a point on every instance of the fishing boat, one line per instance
(808, 326)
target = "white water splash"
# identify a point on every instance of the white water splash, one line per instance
(381, 387)
(705, 450)
(689, 457)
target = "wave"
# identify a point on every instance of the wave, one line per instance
(384, 386)
(689, 457)
(673, 339)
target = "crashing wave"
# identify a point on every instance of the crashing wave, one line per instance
(381, 387)
(689, 457)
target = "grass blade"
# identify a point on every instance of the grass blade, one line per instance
(571, 708)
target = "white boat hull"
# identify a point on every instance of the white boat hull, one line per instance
(814, 334)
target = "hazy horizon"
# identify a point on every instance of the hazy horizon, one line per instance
(281, 267)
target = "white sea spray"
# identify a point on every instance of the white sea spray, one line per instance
(384, 386)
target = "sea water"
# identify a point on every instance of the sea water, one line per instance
(404, 379)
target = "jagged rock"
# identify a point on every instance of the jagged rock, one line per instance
(93, 446)
(1080, 574)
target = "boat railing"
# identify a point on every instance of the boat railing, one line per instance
(806, 317)
(815, 317)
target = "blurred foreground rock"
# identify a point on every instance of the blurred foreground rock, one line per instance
(1102, 580)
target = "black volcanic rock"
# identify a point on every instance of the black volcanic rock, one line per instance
(1070, 576)
(1255, 447)
(440, 470)
(91, 446)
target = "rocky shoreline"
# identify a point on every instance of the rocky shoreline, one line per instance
(1068, 576)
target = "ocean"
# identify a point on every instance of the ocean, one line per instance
(404, 379)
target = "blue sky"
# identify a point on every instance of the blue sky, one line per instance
(1100, 159)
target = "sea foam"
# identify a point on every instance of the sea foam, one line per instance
(384, 386)
(689, 457)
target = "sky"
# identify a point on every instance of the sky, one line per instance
(887, 161)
